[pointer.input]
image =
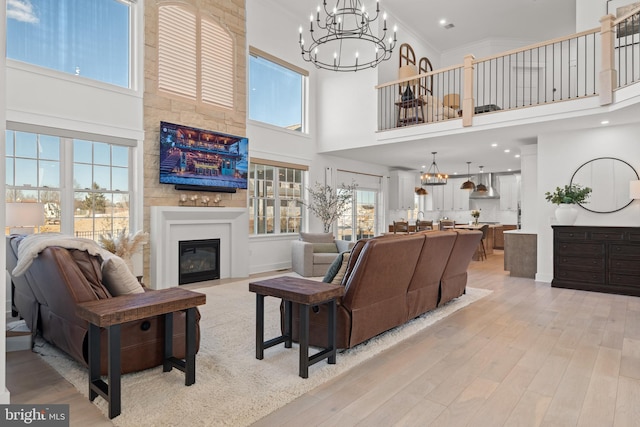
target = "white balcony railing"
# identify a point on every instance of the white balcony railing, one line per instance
(590, 63)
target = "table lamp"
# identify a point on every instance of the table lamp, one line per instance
(405, 72)
(22, 218)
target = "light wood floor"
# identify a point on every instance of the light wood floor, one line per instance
(527, 355)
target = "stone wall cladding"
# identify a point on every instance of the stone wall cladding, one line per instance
(160, 106)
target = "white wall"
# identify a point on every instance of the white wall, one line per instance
(54, 99)
(480, 49)
(559, 155)
(589, 12)
(388, 70)
(4, 393)
(529, 186)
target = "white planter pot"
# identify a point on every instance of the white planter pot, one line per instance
(566, 214)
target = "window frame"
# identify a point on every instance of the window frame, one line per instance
(304, 101)
(276, 198)
(134, 61)
(67, 190)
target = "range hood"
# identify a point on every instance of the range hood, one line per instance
(491, 193)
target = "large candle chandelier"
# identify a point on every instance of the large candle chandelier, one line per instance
(344, 31)
(433, 176)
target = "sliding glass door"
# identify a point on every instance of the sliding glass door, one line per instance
(360, 220)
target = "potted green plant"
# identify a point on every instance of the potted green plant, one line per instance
(475, 214)
(566, 198)
(328, 204)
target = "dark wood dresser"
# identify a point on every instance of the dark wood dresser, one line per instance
(601, 259)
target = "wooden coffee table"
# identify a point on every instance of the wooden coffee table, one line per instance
(112, 312)
(306, 293)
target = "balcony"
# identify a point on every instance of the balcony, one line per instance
(591, 66)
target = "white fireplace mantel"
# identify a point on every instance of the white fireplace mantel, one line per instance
(171, 224)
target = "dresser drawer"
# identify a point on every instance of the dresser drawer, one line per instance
(624, 251)
(577, 249)
(607, 235)
(624, 265)
(632, 280)
(574, 262)
(579, 275)
(571, 235)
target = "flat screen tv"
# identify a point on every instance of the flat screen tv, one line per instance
(202, 160)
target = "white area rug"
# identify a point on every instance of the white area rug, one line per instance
(232, 387)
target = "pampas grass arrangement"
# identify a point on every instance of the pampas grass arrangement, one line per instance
(122, 244)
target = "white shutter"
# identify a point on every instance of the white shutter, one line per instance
(177, 47)
(217, 64)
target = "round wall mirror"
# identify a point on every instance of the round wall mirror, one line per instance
(609, 178)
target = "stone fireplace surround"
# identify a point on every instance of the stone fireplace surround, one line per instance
(170, 224)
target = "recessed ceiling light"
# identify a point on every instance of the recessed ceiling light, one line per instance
(509, 170)
(443, 21)
(507, 151)
(495, 144)
(604, 122)
(517, 156)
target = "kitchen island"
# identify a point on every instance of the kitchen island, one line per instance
(488, 242)
(521, 253)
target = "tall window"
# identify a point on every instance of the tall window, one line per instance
(33, 173)
(96, 186)
(274, 198)
(277, 91)
(89, 38)
(199, 68)
(101, 188)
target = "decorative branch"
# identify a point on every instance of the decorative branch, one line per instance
(329, 204)
(123, 245)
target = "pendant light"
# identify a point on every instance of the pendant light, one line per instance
(481, 188)
(468, 184)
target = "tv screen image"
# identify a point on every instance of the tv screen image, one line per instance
(196, 157)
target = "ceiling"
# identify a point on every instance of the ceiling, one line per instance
(474, 21)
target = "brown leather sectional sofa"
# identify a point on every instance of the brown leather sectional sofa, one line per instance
(393, 279)
(46, 297)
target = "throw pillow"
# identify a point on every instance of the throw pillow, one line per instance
(337, 279)
(316, 237)
(118, 279)
(324, 248)
(336, 266)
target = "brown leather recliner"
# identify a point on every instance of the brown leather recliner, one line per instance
(47, 294)
(390, 280)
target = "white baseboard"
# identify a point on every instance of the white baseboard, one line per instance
(18, 336)
(263, 268)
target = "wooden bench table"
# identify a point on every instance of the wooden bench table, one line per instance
(112, 312)
(306, 293)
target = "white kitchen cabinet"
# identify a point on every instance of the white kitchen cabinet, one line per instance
(460, 197)
(436, 195)
(509, 192)
(448, 197)
(402, 190)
